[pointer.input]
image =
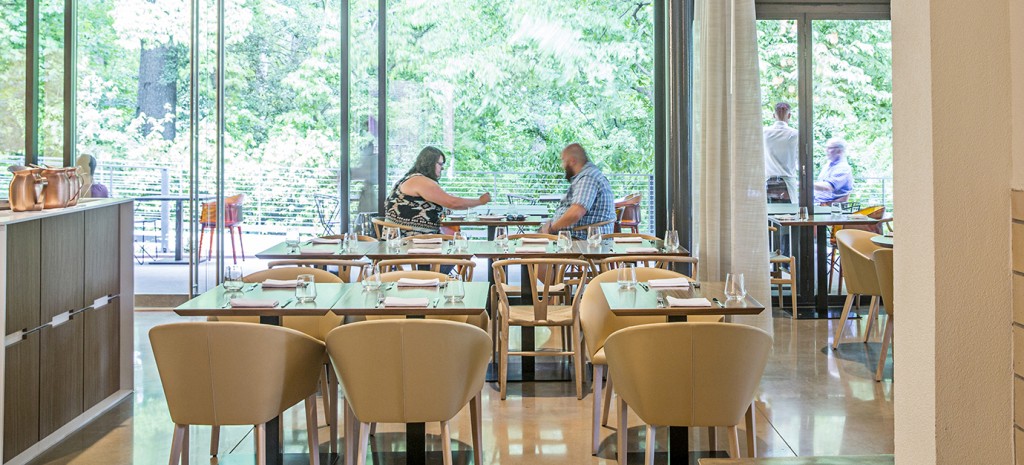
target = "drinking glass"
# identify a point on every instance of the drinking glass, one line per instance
(305, 288)
(371, 279)
(454, 290)
(803, 213)
(471, 215)
(837, 210)
(671, 239)
(564, 240)
(291, 238)
(461, 243)
(594, 236)
(626, 276)
(501, 237)
(232, 278)
(392, 238)
(348, 240)
(734, 288)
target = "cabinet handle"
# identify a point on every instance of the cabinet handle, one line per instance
(61, 318)
(105, 300)
(21, 335)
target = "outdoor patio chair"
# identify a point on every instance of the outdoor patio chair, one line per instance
(328, 207)
(233, 216)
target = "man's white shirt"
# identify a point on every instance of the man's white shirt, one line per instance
(781, 150)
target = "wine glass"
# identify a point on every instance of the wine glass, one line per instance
(594, 236)
(501, 237)
(671, 239)
(734, 288)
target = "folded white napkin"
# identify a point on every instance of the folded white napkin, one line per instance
(392, 301)
(642, 250)
(424, 250)
(324, 240)
(314, 251)
(693, 302)
(786, 217)
(531, 249)
(535, 240)
(411, 282)
(621, 240)
(669, 282)
(269, 283)
(492, 217)
(432, 240)
(253, 303)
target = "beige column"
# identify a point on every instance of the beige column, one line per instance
(953, 173)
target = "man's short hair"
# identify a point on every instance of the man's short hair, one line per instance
(576, 151)
(836, 142)
(781, 109)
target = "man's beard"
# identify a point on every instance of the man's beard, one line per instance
(569, 174)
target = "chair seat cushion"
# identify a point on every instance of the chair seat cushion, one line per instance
(558, 315)
(779, 259)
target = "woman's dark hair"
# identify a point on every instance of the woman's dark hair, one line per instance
(426, 161)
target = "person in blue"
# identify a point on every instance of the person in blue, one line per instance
(835, 182)
(589, 199)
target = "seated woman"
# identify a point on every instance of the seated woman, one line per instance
(417, 200)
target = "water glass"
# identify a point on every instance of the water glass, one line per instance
(626, 276)
(348, 240)
(233, 278)
(501, 237)
(837, 209)
(371, 279)
(291, 238)
(454, 290)
(734, 288)
(392, 238)
(460, 242)
(564, 240)
(671, 239)
(305, 288)
(471, 215)
(594, 236)
(803, 213)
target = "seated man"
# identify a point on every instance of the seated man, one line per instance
(589, 199)
(835, 182)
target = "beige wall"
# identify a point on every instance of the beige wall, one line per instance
(953, 172)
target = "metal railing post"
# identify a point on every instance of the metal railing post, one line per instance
(164, 208)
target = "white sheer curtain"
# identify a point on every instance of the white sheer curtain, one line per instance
(729, 190)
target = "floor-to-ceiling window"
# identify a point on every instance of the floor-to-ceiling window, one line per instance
(12, 87)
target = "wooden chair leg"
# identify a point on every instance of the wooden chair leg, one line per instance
(214, 440)
(595, 423)
(622, 433)
(713, 438)
(872, 317)
(364, 440)
(261, 444)
(332, 414)
(503, 363)
(842, 320)
(577, 357)
(373, 429)
(351, 432)
(446, 443)
(476, 422)
(649, 449)
(734, 442)
(324, 390)
(312, 431)
(886, 340)
(751, 431)
(607, 400)
(177, 443)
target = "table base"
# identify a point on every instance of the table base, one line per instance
(664, 457)
(296, 458)
(541, 372)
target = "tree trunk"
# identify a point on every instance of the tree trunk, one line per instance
(158, 88)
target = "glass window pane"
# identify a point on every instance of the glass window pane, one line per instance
(12, 87)
(777, 47)
(363, 142)
(853, 102)
(51, 82)
(502, 87)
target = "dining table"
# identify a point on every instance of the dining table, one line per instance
(809, 242)
(883, 240)
(644, 300)
(492, 222)
(347, 299)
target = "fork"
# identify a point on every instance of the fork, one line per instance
(380, 301)
(661, 302)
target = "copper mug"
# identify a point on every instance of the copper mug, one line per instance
(26, 192)
(58, 188)
(74, 185)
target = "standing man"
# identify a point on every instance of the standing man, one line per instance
(781, 151)
(835, 182)
(589, 199)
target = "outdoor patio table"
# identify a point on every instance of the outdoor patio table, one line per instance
(813, 261)
(642, 300)
(882, 241)
(179, 219)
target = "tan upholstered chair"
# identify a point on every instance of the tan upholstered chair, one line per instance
(541, 313)
(346, 268)
(463, 267)
(884, 269)
(599, 322)
(855, 247)
(686, 374)
(236, 374)
(411, 371)
(313, 326)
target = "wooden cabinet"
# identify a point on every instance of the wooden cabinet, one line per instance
(103, 323)
(21, 367)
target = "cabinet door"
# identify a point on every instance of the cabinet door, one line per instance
(61, 348)
(21, 370)
(102, 325)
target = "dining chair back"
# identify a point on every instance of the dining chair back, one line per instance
(688, 374)
(855, 247)
(883, 260)
(411, 371)
(646, 237)
(233, 215)
(379, 224)
(235, 374)
(664, 262)
(345, 268)
(462, 267)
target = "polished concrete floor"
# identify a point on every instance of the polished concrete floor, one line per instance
(812, 401)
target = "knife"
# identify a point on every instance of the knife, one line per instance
(288, 302)
(719, 302)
